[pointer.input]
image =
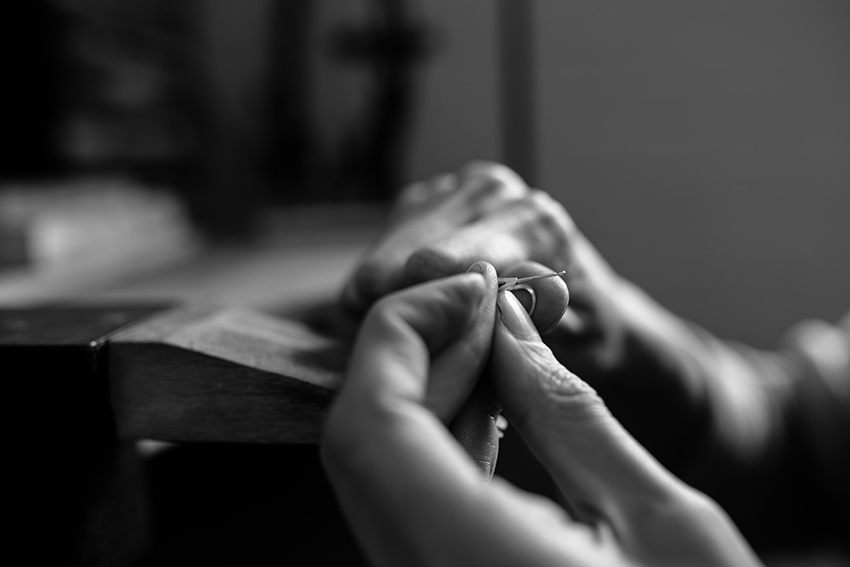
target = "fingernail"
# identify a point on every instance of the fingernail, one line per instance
(515, 318)
(477, 267)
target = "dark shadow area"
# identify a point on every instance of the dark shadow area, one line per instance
(245, 505)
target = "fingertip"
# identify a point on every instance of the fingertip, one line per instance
(472, 289)
(552, 294)
(479, 267)
(487, 270)
(515, 318)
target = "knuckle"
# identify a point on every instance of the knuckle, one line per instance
(443, 182)
(412, 192)
(543, 225)
(488, 192)
(699, 505)
(562, 384)
(409, 198)
(485, 183)
(556, 383)
(368, 280)
(550, 212)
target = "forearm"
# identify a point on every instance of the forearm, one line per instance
(777, 448)
(766, 433)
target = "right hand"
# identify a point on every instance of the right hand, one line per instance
(639, 512)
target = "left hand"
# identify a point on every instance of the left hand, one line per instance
(456, 318)
(413, 496)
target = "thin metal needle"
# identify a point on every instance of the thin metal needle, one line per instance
(507, 283)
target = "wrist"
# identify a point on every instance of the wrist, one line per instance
(646, 363)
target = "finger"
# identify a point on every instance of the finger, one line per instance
(407, 488)
(392, 354)
(600, 468)
(486, 187)
(456, 367)
(413, 195)
(449, 201)
(474, 424)
(552, 295)
(456, 363)
(391, 460)
(382, 269)
(535, 228)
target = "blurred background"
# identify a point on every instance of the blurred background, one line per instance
(702, 146)
(245, 152)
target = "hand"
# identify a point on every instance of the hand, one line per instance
(439, 227)
(456, 395)
(634, 352)
(413, 496)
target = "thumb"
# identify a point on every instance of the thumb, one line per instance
(601, 469)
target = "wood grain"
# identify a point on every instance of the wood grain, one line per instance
(222, 375)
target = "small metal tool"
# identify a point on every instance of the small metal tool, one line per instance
(512, 284)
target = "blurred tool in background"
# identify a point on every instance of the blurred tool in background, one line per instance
(135, 88)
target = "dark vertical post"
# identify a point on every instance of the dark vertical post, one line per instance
(292, 147)
(517, 85)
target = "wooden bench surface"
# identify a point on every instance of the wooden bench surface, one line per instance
(224, 375)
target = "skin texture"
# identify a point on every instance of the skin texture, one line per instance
(414, 496)
(738, 423)
(442, 226)
(629, 348)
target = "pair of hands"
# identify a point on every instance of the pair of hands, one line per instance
(630, 349)
(413, 495)
(411, 492)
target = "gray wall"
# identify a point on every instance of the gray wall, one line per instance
(703, 146)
